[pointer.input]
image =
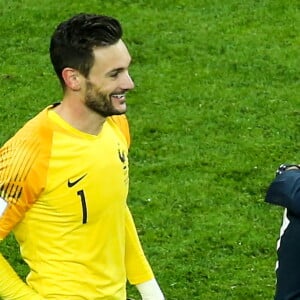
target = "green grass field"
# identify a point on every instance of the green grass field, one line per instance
(214, 112)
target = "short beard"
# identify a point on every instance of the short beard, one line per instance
(99, 102)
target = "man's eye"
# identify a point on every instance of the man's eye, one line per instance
(114, 74)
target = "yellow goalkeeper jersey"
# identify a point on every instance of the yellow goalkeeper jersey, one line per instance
(63, 193)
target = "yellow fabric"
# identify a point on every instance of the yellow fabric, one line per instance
(11, 285)
(135, 258)
(122, 123)
(67, 195)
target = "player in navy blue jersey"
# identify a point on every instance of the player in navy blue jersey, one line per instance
(285, 191)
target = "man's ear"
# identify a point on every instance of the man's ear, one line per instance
(71, 78)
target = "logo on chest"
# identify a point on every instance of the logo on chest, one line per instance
(74, 182)
(122, 156)
(124, 160)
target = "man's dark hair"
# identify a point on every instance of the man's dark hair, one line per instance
(74, 40)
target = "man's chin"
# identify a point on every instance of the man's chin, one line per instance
(121, 110)
(117, 112)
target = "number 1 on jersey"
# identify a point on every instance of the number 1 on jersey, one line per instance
(83, 203)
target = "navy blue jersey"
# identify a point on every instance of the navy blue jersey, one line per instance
(285, 191)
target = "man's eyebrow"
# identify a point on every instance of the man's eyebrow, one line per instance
(113, 71)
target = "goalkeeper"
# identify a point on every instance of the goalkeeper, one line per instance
(64, 178)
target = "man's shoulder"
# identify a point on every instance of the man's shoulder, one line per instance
(32, 135)
(122, 122)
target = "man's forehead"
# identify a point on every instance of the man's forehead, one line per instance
(116, 49)
(112, 57)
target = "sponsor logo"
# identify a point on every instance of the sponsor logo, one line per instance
(72, 183)
(122, 156)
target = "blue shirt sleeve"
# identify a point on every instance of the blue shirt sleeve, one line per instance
(285, 191)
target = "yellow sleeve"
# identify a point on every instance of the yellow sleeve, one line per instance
(23, 167)
(21, 180)
(12, 286)
(137, 267)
